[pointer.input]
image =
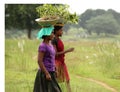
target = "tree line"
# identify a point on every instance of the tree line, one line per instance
(22, 16)
(100, 21)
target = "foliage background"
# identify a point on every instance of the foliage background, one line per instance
(96, 55)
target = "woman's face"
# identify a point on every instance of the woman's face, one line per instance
(60, 32)
(51, 36)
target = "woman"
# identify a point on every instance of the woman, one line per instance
(45, 79)
(61, 68)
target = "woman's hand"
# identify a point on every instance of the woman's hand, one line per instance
(70, 49)
(48, 76)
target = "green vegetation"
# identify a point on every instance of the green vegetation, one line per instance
(99, 21)
(96, 59)
(21, 16)
(49, 11)
(96, 55)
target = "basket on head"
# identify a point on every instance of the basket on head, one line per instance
(48, 21)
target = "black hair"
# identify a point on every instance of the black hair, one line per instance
(44, 36)
(56, 28)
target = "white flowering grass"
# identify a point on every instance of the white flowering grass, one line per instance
(91, 59)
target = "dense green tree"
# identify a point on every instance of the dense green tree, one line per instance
(21, 16)
(103, 24)
(115, 14)
(88, 14)
(100, 21)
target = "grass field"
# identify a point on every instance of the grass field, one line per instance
(97, 59)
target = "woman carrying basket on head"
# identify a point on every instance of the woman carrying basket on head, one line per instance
(45, 80)
(61, 68)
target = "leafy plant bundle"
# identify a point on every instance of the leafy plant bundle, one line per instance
(53, 11)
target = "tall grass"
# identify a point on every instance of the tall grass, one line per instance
(92, 59)
(99, 60)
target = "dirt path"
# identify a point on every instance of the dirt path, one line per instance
(100, 83)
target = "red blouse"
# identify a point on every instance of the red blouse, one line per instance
(60, 47)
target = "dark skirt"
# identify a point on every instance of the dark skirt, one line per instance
(43, 85)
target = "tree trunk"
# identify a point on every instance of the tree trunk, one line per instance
(29, 33)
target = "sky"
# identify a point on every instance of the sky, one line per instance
(94, 4)
(78, 6)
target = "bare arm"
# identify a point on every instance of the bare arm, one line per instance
(63, 52)
(41, 65)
